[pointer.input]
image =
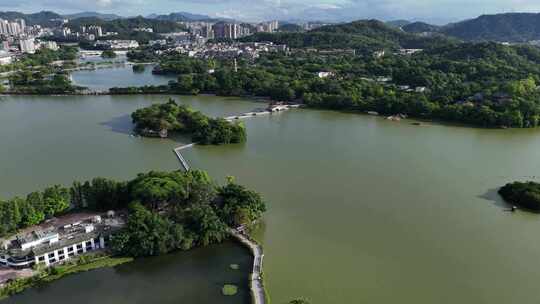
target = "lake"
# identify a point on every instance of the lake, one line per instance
(360, 209)
(196, 276)
(121, 75)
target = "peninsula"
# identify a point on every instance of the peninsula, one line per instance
(152, 214)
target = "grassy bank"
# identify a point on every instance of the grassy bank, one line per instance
(45, 275)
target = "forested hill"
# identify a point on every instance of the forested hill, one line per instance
(93, 14)
(420, 27)
(126, 25)
(398, 23)
(42, 18)
(484, 63)
(182, 16)
(510, 27)
(362, 35)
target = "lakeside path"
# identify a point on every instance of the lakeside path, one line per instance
(255, 281)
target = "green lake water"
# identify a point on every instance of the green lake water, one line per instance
(196, 276)
(102, 79)
(360, 209)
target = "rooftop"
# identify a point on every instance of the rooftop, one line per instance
(42, 240)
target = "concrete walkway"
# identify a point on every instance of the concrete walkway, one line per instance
(182, 160)
(276, 109)
(255, 282)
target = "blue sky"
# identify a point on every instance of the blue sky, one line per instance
(435, 11)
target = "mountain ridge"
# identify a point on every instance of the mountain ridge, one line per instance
(506, 27)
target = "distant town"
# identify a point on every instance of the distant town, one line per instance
(18, 38)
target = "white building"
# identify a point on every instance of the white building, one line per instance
(51, 45)
(27, 45)
(118, 44)
(12, 28)
(5, 58)
(409, 51)
(95, 30)
(379, 54)
(223, 30)
(157, 42)
(144, 29)
(325, 74)
(55, 245)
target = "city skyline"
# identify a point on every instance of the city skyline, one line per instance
(438, 11)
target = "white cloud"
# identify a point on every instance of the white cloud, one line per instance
(104, 3)
(327, 6)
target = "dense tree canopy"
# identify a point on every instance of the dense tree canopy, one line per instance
(508, 27)
(23, 212)
(191, 212)
(125, 25)
(108, 54)
(167, 210)
(37, 75)
(180, 118)
(525, 194)
(485, 84)
(239, 205)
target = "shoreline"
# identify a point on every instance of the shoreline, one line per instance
(423, 120)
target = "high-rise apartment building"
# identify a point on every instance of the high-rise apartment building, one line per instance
(12, 28)
(27, 46)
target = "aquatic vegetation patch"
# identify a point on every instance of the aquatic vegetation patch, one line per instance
(229, 290)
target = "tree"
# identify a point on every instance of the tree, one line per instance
(238, 205)
(166, 210)
(103, 194)
(56, 200)
(35, 199)
(185, 84)
(525, 194)
(138, 68)
(156, 188)
(108, 54)
(10, 216)
(205, 224)
(179, 118)
(29, 214)
(199, 188)
(77, 195)
(146, 233)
